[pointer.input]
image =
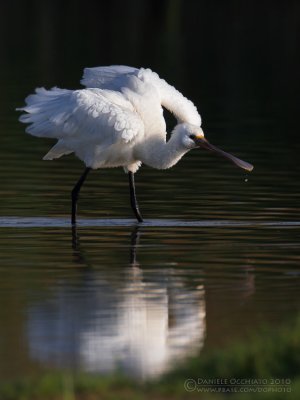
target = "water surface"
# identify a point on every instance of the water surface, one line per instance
(218, 254)
(114, 296)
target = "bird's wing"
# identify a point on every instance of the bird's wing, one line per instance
(106, 77)
(121, 77)
(101, 116)
(173, 100)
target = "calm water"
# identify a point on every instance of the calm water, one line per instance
(217, 256)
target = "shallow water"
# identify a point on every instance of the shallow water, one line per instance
(116, 295)
(217, 255)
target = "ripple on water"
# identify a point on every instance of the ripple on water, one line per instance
(38, 222)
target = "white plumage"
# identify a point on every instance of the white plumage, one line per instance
(107, 124)
(117, 121)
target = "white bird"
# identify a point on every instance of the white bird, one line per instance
(117, 121)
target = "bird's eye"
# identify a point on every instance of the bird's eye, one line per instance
(192, 136)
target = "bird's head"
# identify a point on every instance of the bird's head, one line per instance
(192, 136)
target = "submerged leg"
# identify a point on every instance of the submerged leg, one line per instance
(133, 200)
(75, 193)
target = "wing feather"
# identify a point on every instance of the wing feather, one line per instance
(102, 116)
(106, 77)
(118, 77)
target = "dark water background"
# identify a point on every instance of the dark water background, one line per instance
(218, 254)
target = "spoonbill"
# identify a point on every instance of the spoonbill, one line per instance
(117, 121)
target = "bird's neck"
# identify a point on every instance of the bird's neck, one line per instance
(157, 153)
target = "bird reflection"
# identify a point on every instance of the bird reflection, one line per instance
(140, 326)
(135, 239)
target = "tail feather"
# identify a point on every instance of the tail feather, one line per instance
(58, 150)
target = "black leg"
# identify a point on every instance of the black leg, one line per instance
(75, 193)
(133, 201)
